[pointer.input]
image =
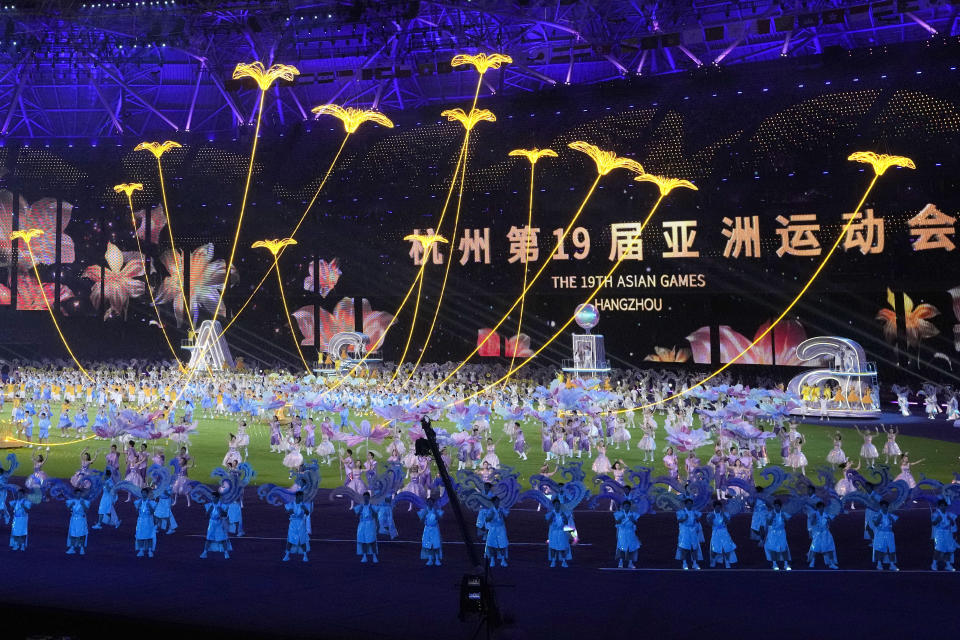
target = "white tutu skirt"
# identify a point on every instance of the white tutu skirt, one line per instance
(560, 448)
(796, 460)
(293, 460)
(891, 449)
(869, 451)
(647, 443)
(492, 460)
(836, 456)
(325, 448)
(601, 464)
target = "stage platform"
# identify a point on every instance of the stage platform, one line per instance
(111, 592)
(914, 425)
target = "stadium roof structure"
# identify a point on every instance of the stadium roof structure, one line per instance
(96, 70)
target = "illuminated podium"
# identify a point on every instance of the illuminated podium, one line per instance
(208, 349)
(589, 355)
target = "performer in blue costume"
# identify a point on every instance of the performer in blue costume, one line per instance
(558, 540)
(298, 539)
(106, 512)
(775, 544)
(21, 520)
(944, 544)
(367, 530)
(431, 548)
(146, 532)
(217, 539)
(625, 520)
(496, 527)
(77, 533)
(689, 536)
(722, 547)
(884, 543)
(821, 540)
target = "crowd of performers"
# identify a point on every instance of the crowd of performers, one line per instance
(577, 421)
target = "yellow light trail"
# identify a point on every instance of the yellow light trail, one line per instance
(128, 189)
(158, 149)
(47, 444)
(26, 236)
(665, 185)
(468, 121)
(605, 161)
(276, 247)
(880, 164)
(532, 156)
(264, 78)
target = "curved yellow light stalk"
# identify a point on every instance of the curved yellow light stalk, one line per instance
(158, 149)
(275, 247)
(26, 235)
(880, 164)
(606, 162)
(128, 188)
(426, 244)
(264, 78)
(665, 185)
(481, 61)
(351, 117)
(532, 156)
(468, 122)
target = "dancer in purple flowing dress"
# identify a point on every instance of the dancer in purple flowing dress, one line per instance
(80, 477)
(520, 441)
(181, 482)
(113, 462)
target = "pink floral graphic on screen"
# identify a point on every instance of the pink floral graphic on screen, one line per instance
(375, 323)
(489, 346)
(42, 215)
(518, 346)
(329, 274)
(119, 281)
(784, 339)
(206, 281)
(157, 222)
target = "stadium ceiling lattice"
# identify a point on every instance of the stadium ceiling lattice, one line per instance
(103, 69)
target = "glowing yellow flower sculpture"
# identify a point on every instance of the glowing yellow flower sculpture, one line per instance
(534, 154)
(265, 77)
(426, 241)
(127, 188)
(26, 235)
(352, 118)
(481, 61)
(469, 121)
(666, 185)
(274, 246)
(606, 161)
(157, 148)
(881, 161)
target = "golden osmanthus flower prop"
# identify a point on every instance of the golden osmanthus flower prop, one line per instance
(532, 156)
(351, 117)
(26, 235)
(482, 62)
(426, 242)
(606, 162)
(158, 149)
(128, 189)
(880, 162)
(469, 121)
(264, 77)
(275, 247)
